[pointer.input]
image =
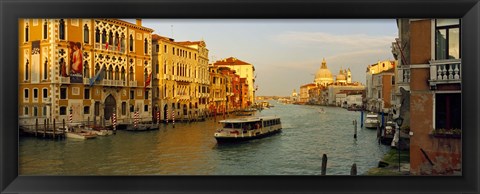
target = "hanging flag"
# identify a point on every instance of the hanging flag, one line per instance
(97, 77)
(147, 82)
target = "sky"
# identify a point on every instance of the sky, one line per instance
(287, 53)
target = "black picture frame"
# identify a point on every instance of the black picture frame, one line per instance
(11, 11)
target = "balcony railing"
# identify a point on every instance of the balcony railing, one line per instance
(403, 74)
(445, 71)
(64, 80)
(132, 84)
(86, 81)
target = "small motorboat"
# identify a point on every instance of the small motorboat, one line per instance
(78, 131)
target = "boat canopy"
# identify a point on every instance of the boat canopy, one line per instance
(248, 119)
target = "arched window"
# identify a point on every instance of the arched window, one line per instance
(85, 34)
(116, 43)
(26, 69)
(131, 43)
(26, 33)
(97, 68)
(122, 42)
(110, 73)
(104, 36)
(86, 72)
(117, 73)
(45, 29)
(45, 69)
(123, 74)
(110, 38)
(146, 46)
(131, 73)
(61, 29)
(97, 35)
(165, 67)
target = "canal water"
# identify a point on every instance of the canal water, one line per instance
(191, 149)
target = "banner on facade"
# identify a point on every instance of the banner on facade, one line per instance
(76, 63)
(35, 73)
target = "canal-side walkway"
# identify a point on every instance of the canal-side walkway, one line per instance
(389, 164)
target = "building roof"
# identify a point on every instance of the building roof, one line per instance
(118, 21)
(307, 85)
(230, 61)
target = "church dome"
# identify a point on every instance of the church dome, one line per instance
(341, 76)
(323, 75)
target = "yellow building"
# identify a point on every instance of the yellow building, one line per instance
(91, 67)
(244, 70)
(181, 78)
(218, 92)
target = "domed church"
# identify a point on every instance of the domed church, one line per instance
(323, 76)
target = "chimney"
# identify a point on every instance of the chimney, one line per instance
(139, 22)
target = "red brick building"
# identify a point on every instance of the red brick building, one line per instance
(434, 60)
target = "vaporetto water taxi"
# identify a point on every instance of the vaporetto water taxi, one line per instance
(247, 128)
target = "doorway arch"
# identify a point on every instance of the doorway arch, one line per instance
(110, 104)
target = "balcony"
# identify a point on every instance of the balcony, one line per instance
(132, 83)
(64, 80)
(445, 72)
(403, 74)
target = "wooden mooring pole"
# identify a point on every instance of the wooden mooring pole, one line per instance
(353, 171)
(54, 128)
(36, 127)
(324, 164)
(64, 129)
(44, 128)
(355, 129)
(48, 125)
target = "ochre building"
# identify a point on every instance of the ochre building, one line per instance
(90, 68)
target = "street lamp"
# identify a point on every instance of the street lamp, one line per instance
(399, 122)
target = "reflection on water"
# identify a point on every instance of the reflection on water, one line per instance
(190, 149)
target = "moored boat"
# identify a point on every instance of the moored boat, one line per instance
(371, 121)
(100, 131)
(245, 112)
(138, 127)
(387, 133)
(78, 131)
(243, 129)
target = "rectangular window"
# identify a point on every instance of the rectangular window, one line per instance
(157, 48)
(25, 94)
(124, 108)
(165, 48)
(63, 93)
(145, 108)
(86, 94)
(132, 94)
(132, 108)
(45, 93)
(97, 108)
(63, 110)
(86, 110)
(146, 94)
(35, 94)
(447, 39)
(448, 111)
(44, 111)
(25, 111)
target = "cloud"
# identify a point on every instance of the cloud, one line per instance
(322, 39)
